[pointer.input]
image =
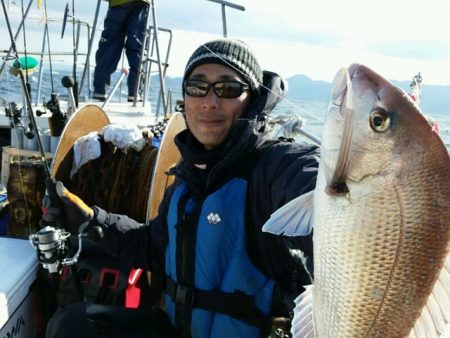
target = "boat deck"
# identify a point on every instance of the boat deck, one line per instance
(118, 112)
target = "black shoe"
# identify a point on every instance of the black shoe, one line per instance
(100, 97)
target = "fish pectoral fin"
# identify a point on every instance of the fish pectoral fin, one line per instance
(292, 219)
(434, 320)
(302, 324)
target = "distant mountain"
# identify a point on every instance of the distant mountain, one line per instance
(435, 99)
(301, 87)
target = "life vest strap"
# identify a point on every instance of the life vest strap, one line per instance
(236, 304)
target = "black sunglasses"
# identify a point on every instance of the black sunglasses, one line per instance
(224, 89)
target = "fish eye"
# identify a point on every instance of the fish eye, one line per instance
(379, 120)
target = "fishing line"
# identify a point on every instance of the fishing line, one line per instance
(22, 184)
(282, 98)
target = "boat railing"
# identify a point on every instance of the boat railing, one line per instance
(291, 127)
(154, 53)
(75, 53)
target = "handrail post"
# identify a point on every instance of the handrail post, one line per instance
(91, 42)
(224, 4)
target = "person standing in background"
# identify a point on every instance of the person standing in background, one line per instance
(124, 26)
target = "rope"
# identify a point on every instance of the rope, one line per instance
(117, 181)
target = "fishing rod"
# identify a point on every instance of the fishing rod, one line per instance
(27, 83)
(75, 52)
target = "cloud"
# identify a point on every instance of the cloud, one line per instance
(397, 38)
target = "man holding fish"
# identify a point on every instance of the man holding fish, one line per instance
(380, 212)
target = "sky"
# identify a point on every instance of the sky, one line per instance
(396, 38)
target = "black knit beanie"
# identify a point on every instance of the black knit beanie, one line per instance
(229, 52)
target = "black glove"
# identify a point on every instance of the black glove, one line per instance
(76, 212)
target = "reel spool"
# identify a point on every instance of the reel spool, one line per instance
(52, 248)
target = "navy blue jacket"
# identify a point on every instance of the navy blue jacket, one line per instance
(277, 172)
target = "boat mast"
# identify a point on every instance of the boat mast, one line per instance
(416, 88)
(224, 19)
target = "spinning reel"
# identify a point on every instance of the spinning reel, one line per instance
(15, 114)
(52, 248)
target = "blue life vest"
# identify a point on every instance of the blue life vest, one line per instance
(221, 260)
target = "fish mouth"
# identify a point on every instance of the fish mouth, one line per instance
(343, 96)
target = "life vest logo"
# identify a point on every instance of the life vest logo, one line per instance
(15, 330)
(213, 218)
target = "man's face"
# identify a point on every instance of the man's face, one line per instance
(210, 118)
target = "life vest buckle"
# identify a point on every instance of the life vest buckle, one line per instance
(184, 295)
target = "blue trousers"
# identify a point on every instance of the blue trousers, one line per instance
(124, 26)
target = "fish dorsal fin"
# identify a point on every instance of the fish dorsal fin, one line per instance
(302, 324)
(293, 218)
(434, 320)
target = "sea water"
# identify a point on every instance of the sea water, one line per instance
(311, 112)
(314, 113)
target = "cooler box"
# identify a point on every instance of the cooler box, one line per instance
(18, 269)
